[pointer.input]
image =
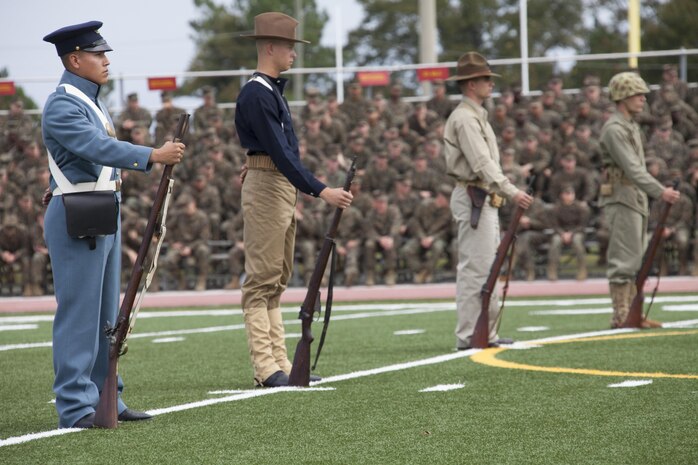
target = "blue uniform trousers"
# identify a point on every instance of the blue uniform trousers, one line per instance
(87, 291)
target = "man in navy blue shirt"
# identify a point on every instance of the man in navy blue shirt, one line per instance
(271, 178)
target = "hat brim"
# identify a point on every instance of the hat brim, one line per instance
(98, 48)
(254, 36)
(473, 76)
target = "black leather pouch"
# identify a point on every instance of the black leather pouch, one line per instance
(91, 214)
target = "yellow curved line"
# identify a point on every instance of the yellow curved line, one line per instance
(489, 357)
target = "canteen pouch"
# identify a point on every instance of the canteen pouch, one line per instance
(91, 214)
(477, 198)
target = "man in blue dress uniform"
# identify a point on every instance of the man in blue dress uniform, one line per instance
(78, 133)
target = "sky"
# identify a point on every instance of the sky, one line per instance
(149, 38)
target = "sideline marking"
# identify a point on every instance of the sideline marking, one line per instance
(167, 339)
(489, 357)
(532, 329)
(409, 332)
(631, 383)
(17, 327)
(443, 388)
(213, 329)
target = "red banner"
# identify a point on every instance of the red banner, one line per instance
(7, 88)
(432, 74)
(373, 78)
(162, 83)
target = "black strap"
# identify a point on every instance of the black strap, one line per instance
(328, 304)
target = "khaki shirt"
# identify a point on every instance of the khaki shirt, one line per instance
(624, 159)
(471, 149)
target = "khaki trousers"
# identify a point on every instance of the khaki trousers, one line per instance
(476, 252)
(268, 204)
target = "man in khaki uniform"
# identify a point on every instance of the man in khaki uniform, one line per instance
(625, 190)
(472, 158)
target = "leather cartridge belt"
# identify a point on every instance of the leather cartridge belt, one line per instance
(260, 162)
(90, 186)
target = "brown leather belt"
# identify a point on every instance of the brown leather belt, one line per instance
(260, 162)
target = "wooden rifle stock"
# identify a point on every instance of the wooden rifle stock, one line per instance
(481, 333)
(106, 415)
(300, 371)
(635, 314)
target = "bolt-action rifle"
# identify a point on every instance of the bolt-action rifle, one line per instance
(481, 333)
(106, 415)
(300, 372)
(635, 314)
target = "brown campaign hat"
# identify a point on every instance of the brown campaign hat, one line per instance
(472, 65)
(274, 25)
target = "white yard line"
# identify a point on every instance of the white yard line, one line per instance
(631, 383)
(330, 379)
(17, 327)
(215, 329)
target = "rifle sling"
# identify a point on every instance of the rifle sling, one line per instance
(328, 304)
(145, 283)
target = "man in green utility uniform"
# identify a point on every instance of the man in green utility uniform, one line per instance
(623, 195)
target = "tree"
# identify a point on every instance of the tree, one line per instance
(220, 47)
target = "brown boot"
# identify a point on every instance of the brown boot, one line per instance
(619, 300)
(650, 324)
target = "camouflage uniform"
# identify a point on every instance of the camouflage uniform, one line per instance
(166, 119)
(14, 254)
(382, 237)
(133, 115)
(350, 238)
(188, 233)
(677, 232)
(380, 177)
(308, 236)
(233, 229)
(531, 237)
(569, 217)
(429, 231)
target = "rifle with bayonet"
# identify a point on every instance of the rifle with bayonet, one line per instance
(636, 316)
(106, 415)
(481, 333)
(300, 371)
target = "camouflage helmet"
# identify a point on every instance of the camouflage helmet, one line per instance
(624, 85)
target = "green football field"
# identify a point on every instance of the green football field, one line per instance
(394, 390)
